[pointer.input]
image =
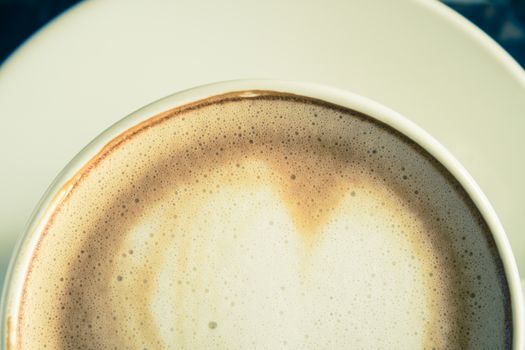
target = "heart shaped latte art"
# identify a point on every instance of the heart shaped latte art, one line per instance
(263, 222)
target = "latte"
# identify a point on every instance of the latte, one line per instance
(263, 220)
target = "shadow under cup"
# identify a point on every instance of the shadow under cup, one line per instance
(262, 214)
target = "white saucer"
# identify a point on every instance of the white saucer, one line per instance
(102, 60)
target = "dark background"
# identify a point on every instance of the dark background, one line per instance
(503, 20)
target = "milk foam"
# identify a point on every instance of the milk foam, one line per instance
(267, 222)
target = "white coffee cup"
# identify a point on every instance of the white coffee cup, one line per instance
(21, 257)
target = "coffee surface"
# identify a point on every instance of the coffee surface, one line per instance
(264, 220)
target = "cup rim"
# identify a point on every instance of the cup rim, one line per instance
(21, 255)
